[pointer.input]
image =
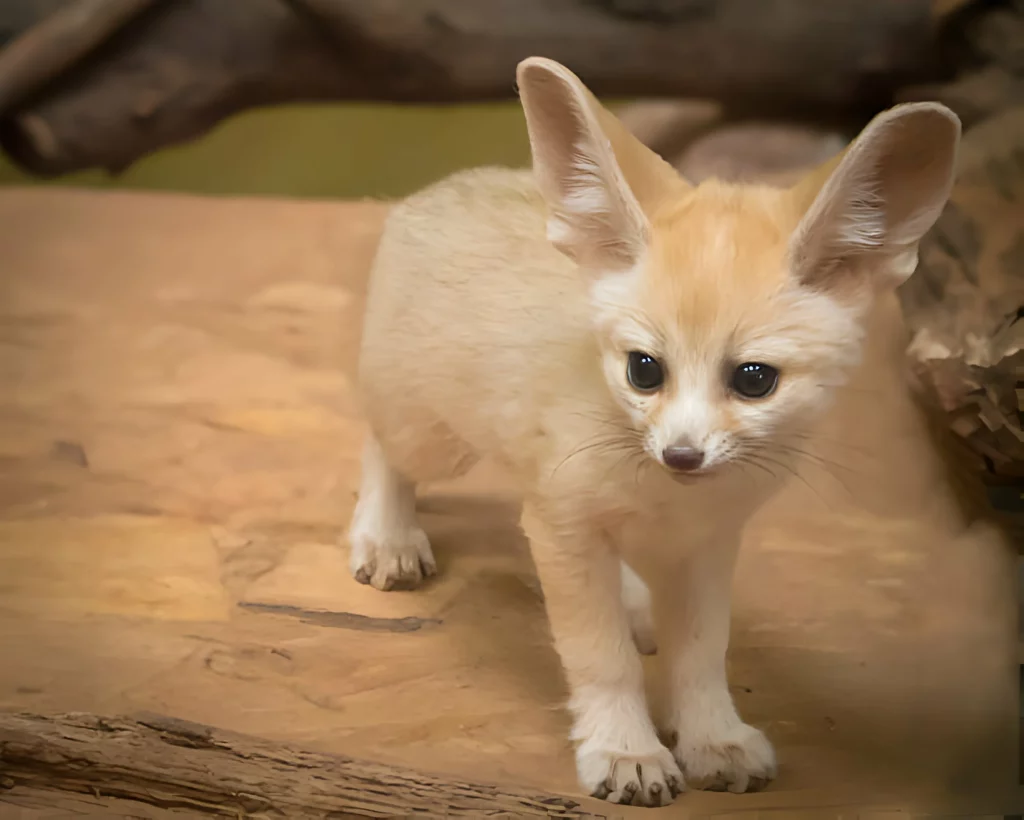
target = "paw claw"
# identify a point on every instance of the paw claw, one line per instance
(755, 784)
(675, 786)
(737, 759)
(630, 779)
(628, 793)
(398, 560)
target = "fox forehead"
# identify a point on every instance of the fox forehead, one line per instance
(719, 244)
(716, 267)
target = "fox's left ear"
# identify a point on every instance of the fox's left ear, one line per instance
(878, 198)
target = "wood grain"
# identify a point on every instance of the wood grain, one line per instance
(171, 763)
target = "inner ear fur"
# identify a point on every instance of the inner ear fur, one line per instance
(877, 199)
(598, 180)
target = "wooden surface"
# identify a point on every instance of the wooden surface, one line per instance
(178, 453)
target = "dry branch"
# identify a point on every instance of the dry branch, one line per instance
(171, 763)
(174, 73)
(60, 41)
(987, 41)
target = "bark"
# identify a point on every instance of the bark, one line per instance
(173, 764)
(181, 68)
(61, 40)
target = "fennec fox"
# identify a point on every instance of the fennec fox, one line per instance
(641, 355)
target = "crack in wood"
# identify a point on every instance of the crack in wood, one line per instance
(342, 620)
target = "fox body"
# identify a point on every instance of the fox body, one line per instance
(647, 360)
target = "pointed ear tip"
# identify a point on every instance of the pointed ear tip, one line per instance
(527, 63)
(523, 71)
(538, 66)
(929, 110)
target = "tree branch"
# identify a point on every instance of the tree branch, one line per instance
(61, 40)
(174, 73)
(171, 763)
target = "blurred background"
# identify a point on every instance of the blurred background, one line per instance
(350, 99)
(347, 151)
(338, 98)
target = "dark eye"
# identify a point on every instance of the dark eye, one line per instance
(754, 381)
(644, 372)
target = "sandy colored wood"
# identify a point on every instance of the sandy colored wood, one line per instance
(171, 763)
(178, 452)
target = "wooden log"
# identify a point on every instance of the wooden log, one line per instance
(18, 16)
(172, 75)
(61, 40)
(170, 763)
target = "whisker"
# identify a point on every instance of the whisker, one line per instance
(746, 459)
(637, 471)
(824, 467)
(811, 457)
(622, 460)
(611, 442)
(641, 464)
(829, 440)
(789, 468)
(609, 420)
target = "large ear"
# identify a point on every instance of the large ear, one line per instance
(878, 198)
(598, 180)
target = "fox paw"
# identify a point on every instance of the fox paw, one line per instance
(399, 561)
(651, 779)
(736, 759)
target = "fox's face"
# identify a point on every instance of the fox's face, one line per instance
(726, 314)
(712, 346)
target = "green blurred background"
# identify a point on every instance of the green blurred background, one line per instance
(339, 151)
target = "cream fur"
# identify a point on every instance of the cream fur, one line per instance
(482, 337)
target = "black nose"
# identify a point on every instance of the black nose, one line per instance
(685, 459)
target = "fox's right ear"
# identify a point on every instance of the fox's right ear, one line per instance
(594, 217)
